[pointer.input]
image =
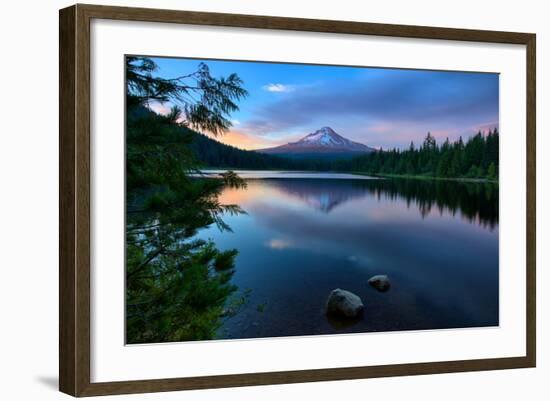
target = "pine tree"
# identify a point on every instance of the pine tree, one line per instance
(492, 171)
(176, 286)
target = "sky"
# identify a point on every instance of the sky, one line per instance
(379, 107)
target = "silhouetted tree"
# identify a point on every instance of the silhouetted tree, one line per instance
(176, 286)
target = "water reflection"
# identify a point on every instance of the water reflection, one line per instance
(323, 195)
(301, 238)
(475, 201)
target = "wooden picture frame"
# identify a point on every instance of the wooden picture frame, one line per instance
(74, 204)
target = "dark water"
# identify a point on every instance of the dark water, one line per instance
(436, 240)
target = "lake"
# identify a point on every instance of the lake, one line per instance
(306, 234)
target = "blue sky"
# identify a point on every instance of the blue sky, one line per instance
(378, 107)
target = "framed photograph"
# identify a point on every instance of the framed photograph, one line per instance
(250, 200)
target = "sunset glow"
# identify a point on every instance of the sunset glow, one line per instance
(382, 108)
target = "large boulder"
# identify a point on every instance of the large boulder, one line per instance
(381, 282)
(344, 303)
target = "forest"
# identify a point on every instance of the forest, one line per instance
(177, 287)
(475, 158)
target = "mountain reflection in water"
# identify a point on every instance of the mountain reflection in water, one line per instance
(301, 238)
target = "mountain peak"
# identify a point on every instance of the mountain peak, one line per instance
(325, 136)
(324, 140)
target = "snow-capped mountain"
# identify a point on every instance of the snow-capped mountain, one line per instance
(324, 140)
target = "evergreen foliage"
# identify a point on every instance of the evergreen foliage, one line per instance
(477, 158)
(176, 286)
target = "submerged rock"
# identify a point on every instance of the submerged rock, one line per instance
(344, 303)
(381, 282)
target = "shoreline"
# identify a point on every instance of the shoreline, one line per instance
(362, 173)
(431, 178)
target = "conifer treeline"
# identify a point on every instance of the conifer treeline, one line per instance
(475, 158)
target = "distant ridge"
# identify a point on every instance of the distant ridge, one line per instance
(323, 142)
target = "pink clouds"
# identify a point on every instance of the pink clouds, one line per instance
(485, 127)
(160, 108)
(243, 140)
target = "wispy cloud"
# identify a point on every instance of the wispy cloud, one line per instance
(399, 105)
(278, 88)
(376, 106)
(276, 243)
(404, 97)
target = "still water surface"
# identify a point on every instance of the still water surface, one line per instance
(306, 234)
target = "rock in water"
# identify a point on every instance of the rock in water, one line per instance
(344, 303)
(380, 282)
